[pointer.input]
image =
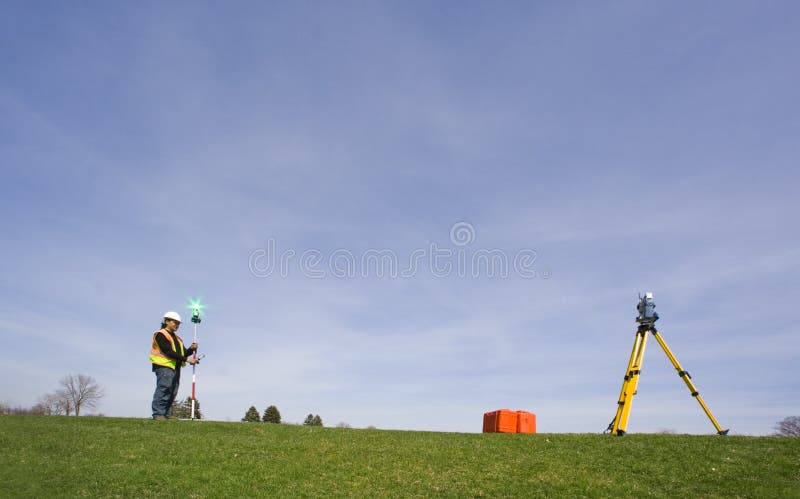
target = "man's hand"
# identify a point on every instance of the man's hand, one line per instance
(192, 361)
(194, 346)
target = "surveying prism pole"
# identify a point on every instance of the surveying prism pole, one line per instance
(647, 318)
(196, 320)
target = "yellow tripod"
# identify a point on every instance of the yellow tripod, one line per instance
(646, 319)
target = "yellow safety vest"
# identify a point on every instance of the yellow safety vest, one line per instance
(158, 358)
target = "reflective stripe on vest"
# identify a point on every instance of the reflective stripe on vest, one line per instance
(158, 358)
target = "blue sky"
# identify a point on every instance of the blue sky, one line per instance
(153, 152)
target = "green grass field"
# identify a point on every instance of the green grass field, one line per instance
(109, 457)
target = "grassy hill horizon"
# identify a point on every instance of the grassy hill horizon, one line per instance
(46, 456)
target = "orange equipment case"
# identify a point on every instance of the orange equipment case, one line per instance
(500, 421)
(526, 422)
(506, 421)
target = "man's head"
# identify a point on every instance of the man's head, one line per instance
(172, 321)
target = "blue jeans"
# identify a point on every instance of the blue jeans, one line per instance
(167, 381)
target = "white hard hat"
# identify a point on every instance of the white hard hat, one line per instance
(172, 315)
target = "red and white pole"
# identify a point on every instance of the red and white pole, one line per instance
(194, 377)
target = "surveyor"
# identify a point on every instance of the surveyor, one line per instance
(168, 355)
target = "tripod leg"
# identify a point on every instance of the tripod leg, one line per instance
(613, 426)
(629, 384)
(688, 380)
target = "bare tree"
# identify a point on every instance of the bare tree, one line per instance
(789, 427)
(49, 404)
(64, 404)
(80, 391)
(55, 404)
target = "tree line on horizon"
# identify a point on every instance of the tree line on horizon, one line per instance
(273, 415)
(75, 392)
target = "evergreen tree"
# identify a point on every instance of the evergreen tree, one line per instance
(183, 410)
(272, 415)
(251, 416)
(312, 420)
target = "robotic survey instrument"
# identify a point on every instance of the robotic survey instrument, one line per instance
(647, 310)
(646, 319)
